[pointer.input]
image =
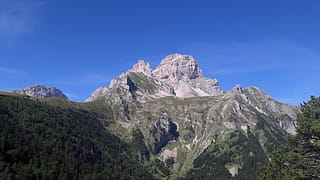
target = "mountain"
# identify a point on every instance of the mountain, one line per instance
(41, 91)
(177, 75)
(187, 127)
(170, 122)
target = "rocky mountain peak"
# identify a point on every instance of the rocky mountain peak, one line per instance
(178, 67)
(41, 91)
(237, 89)
(142, 67)
(176, 75)
(183, 73)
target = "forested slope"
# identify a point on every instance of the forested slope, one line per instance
(40, 141)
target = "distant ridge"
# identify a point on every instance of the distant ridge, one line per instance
(41, 91)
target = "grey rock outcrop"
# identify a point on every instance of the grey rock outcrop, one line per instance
(178, 67)
(41, 91)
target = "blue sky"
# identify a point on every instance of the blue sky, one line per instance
(78, 46)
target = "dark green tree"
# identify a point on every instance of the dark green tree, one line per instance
(300, 158)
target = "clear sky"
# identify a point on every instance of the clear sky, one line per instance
(80, 45)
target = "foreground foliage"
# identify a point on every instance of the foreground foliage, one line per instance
(300, 158)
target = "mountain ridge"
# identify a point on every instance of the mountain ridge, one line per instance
(41, 91)
(169, 73)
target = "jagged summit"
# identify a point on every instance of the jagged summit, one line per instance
(182, 72)
(237, 88)
(174, 67)
(177, 67)
(176, 75)
(41, 91)
(142, 67)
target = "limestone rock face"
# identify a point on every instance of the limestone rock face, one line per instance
(266, 105)
(183, 73)
(41, 91)
(178, 67)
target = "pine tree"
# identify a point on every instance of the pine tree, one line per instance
(300, 158)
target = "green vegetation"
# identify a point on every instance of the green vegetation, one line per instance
(59, 139)
(43, 141)
(235, 148)
(142, 81)
(270, 135)
(300, 158)
(139, 148)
